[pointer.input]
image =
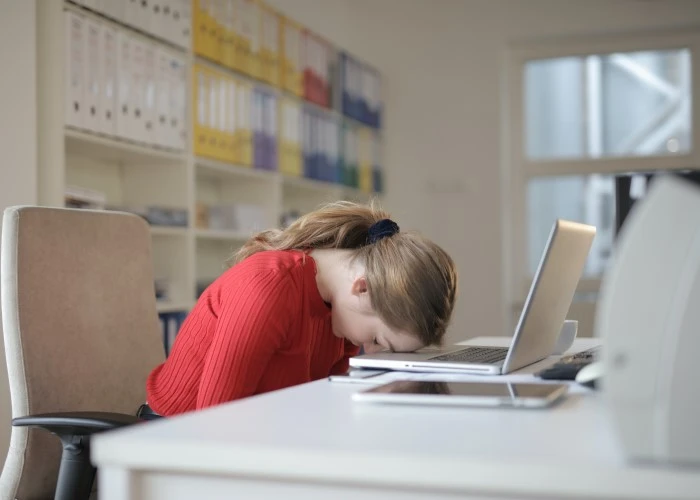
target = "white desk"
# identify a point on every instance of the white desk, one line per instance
(312, 442)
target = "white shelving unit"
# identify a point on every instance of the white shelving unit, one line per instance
(132, 174)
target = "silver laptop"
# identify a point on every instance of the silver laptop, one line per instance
(536, 334)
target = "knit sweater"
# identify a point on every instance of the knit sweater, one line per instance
(261, 326)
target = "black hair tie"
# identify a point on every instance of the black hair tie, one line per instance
(381, 229)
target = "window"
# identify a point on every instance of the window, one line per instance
(624, 104)
(590, 199)
(585, 120)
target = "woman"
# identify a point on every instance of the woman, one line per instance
(297, 303)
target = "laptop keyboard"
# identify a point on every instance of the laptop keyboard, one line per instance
(480, 355)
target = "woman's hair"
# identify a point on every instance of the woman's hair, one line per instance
(412, 282)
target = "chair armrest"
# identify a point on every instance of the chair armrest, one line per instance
(76, 423)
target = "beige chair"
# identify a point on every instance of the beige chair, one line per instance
(81, 335)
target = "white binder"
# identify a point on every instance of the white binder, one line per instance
(178, 102)
(92, 82)
(75, 68)
(108, 80)
(137, 95)
(124, 85)
(149, 94)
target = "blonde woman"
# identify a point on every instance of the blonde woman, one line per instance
(296, 304)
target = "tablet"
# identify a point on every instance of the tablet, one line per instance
(489, 394)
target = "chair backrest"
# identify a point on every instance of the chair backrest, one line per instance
(80, 325)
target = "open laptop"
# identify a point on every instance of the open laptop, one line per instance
(536, 334)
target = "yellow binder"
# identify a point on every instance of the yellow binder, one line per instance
(290, 66)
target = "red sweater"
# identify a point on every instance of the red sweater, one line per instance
(262, 325)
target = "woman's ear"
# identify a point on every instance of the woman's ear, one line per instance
(359, 286)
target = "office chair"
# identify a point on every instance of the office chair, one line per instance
(81, 335)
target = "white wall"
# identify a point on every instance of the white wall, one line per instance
(441, 61)
(17, 139)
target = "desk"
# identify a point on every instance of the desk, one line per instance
(312, 442)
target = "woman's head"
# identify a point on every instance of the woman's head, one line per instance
(411, 282)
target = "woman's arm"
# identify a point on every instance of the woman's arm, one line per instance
(253, 323)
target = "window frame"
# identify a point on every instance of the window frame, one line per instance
(517, 169)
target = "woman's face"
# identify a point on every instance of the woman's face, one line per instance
(354, 319)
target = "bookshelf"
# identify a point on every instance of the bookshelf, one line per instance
(137, 150)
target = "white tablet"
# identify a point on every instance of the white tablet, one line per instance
(491, 394)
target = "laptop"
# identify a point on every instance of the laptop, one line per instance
(547, 304)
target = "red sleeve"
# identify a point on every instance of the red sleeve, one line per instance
(253, 323)
(343, 365)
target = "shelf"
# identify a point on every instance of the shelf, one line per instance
(237, 74)
(358, 123)
(349, 191)
(165, 306)
(306, 184)
(168, 231)
(109, 149)
(222, 234)
(224, 169)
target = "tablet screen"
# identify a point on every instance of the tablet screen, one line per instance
(467, 389)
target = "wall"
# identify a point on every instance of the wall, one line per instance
(17, 140)
(441, 61)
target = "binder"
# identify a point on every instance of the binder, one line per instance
(248, 37)
(290, 137)
(200, 89)
(222, 146)
(108, 85)
(75, 68)
(243, 124)
(177, 86)
(378, 177)
(285, 136)
(325, 68)
(295, 124)
(216, 29)
(92, 78)
(354, 89)
(375, 102)
(334, 151)
(213, 112)
(310, 54)
(231, 120)
(182, 17)
(307, 142)
(260, 159)
(365, 159)
(162, 131)
(322, 158)
(124, 82)
(137, 117)
(291, 57)
(255, 38)
(269, 46)
(200, 23)
(228, 46)
(152, 21)
(316, 146)
(350, 153)
(164, 20)
(271, 131)
(149, 94)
